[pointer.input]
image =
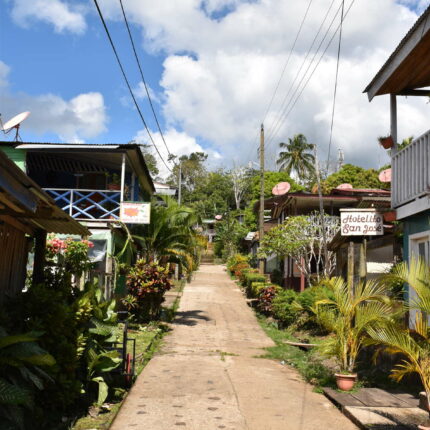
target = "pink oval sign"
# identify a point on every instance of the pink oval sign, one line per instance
(385, 175)
(344, 187)
(281, 188)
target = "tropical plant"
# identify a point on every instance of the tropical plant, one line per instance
(21, 359)
(296, 157)
(147, 283)
(350, 315)
(414, 343)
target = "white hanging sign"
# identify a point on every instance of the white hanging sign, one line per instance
(361, 222)
(135, 212)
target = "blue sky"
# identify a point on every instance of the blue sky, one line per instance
(212, 66)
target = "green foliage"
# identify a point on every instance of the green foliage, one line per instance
(21, 378)
(147, 283)
(266, 297)
(354, 175)
(283, 309)
(229, 236)
(270, 180)
(351, 315)
(249, 279)
(414, 344)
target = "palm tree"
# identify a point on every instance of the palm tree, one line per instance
(296, 156)
(350, 314)
(413, 344)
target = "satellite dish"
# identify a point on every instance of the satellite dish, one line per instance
(385, 175)
(344, 187)
(15, 122)
(218, 217)
(281, 189)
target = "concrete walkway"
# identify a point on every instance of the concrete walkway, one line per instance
(207, 375)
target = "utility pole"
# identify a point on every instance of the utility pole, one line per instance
(261, 214)
(180, 183)
(322, 215)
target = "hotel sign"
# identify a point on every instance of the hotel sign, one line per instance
(364, 222)
(135, 213)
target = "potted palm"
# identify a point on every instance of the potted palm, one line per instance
(412, 343)
(349, 315)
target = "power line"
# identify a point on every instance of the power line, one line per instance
(143, 77)
(285, 105)
(335, 85)
(316, 66)
(288, 59)
(128, 84)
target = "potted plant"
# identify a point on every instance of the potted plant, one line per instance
(413, 344)
(386, 141)
(348, 315)
(114, 183)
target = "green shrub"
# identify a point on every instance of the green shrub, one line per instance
(266, 297)
(256, 288)
(235, 260)
(148, 282)
(283, 309)
(251, 277)
(243, 278)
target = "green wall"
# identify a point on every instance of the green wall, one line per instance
(414, 224)
(16, 155)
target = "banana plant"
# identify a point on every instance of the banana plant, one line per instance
(413, 343)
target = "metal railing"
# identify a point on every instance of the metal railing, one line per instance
(411, 171)
(84, 205)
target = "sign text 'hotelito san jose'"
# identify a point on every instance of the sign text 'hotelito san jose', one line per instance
(361, 223)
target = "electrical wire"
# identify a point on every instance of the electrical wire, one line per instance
(316, 66)
(143, 77)
(128, 83)
(335, 86)
(285, 105)
(288, 59)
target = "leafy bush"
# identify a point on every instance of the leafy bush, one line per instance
(240, 268)
(148, 282)
(256, 288)
(283, 309)
(21, 377)
(265, 299)
(236, 260)
(251, 277)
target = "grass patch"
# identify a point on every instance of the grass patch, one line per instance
(308, 364)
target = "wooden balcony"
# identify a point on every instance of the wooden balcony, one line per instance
(411, 175)
(88, 205)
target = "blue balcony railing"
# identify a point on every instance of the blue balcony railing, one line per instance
(87, 205)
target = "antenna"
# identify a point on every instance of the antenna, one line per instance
(14, 123)
(340, 159)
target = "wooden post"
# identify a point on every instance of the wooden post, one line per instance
(39, 256)
(261, 212)
(351, 265)
(363, 263)
(302, 278)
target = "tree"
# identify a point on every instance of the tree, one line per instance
(229, 235)
(241, 182)
(296, 157)
(150, 160)
(301, 238)
(354, 175)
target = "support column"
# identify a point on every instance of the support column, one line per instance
(39, 256)
(122, 177)
(351, 265)
(363, 262)
(393, 122)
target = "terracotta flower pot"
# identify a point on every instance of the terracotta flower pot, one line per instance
(114, 187)
(390, 216)
(345, 382)
(386, 142)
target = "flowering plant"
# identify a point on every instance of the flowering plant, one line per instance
(70, 254)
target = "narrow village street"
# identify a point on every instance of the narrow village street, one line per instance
(208, 374)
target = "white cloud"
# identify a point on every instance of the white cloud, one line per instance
(64, 16)
(4, 72)
(83, 116)
(219, 74)
(179, 143)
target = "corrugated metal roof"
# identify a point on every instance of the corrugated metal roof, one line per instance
(43, 161)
